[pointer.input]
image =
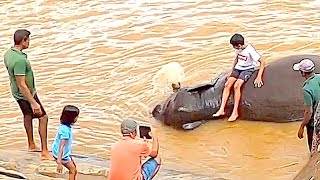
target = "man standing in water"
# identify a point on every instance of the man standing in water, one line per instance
(311, 94)
(24, 91)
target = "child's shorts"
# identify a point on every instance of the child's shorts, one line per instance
(64, 160)
(149, 169)
(242, 74)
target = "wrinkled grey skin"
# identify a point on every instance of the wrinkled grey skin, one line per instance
(279, 100)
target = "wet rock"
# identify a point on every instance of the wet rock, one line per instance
(10, 168)
(92, 170)
(49, 168)
(12, 174)
(9, 164)
(311, 170)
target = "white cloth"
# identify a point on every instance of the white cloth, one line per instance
(247, 58)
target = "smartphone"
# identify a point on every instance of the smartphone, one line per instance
(144, 132)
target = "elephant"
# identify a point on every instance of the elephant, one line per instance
(278, 100)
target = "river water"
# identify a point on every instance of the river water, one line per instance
(106, 58)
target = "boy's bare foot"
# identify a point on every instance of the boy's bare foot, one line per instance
(219, 113)
(233, 117)
(46, 155)
(33, 148)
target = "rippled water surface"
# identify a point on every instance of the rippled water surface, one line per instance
(104, 57)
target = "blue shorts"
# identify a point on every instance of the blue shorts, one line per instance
(64, 160)
(149, 169)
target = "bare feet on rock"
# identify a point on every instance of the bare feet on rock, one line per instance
(33, 148)
(46, 155)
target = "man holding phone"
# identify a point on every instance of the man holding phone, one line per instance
(126, 154)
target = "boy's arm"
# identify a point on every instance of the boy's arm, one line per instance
(256, 57)
(261, 69)
(63, 143)
(234, 64)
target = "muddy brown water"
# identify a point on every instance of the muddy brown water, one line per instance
(105, 57)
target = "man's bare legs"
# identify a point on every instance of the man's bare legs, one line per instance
(29, 130)
(237, 96)
(225, 96)
(43, 123)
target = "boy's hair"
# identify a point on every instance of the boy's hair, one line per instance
(237, 39)
(20, 35)
(69, 114)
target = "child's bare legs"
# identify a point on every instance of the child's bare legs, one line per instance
(71, 166)
(225, 96)
(237, 96)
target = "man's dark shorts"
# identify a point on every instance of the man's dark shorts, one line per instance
(27, 110)
(242, 74)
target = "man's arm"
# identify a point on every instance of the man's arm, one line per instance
(19, 70)
(21, 81)
(307, 113)
(307, 116)
(155, 147)
(153, 152)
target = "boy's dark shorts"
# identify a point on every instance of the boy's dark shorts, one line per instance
(242, 74)
(27, 110)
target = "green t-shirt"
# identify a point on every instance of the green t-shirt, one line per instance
(311, 94)
(17, 64)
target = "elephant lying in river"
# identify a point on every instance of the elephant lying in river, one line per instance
(279, 100)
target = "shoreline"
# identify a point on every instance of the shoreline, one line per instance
(24, 164)
(29, 165)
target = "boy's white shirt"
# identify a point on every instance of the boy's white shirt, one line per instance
(247, 58)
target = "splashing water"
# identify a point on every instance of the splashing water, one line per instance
(171, 73)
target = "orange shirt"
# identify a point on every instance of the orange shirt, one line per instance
(125, 160)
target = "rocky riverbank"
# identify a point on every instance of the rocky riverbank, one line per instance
(18, 164)
(311, 170)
